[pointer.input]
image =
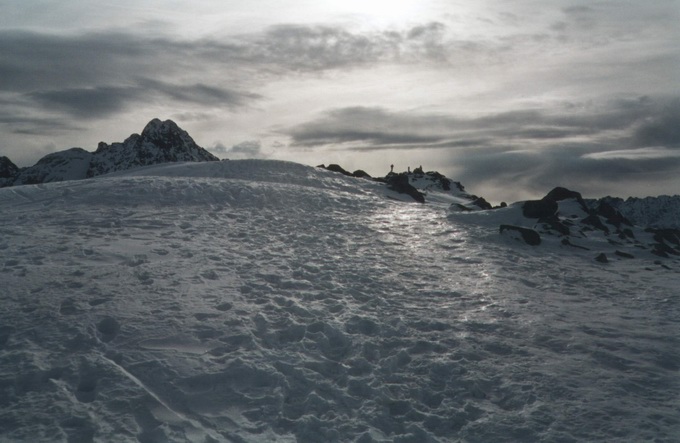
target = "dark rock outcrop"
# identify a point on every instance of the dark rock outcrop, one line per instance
(8, 171)
(623, 254)
(667, 241)
(559, 193)
(594, 221)
(7, 168)
(539, 208)
(400, 183)
(359, 173)
(602, 258)
(481, 203)
(612, 215)
(529, 236)
(336, 168)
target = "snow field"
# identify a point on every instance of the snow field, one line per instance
(267, 301)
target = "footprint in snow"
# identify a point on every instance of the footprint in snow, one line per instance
(108, 329)
(68, 307)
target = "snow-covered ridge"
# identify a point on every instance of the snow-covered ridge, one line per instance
(159, 142)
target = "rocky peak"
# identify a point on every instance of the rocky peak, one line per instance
(165, 134)
(7, 168)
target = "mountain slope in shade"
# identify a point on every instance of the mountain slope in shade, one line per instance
(159, 142)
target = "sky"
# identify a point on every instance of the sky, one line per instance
(509, 98)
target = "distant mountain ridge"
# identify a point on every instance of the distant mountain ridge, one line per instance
(159, 142)
(165, 142)
(654, 212)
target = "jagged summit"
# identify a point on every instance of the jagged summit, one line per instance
(7, 168)
(159, 142)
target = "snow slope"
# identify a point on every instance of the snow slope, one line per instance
(246, 301)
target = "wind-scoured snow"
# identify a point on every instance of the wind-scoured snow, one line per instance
(246, 301)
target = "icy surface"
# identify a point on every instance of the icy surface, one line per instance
(269, 301)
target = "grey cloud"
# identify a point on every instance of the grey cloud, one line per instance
(662, 129)
(312, 48)
(30, 61)
(98, 74)
(502, 172)
(375, 127)
(87, 102)
(102, 101)
(200, 93)
(622, 123)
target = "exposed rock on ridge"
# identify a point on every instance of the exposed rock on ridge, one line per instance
(159, 142)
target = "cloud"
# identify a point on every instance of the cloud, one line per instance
(649, 153)
(103, 101)
(94, 102)
(95, 75)
(371, 128)
(246, 149)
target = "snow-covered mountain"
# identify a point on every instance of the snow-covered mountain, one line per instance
(159, 142)
(658, 212)
(248, 301)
